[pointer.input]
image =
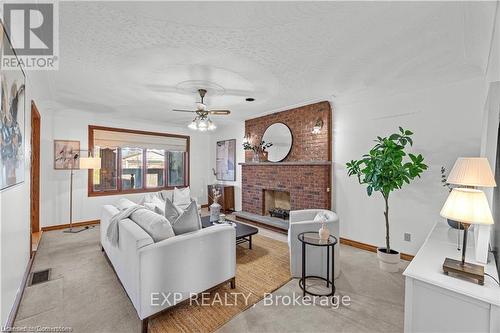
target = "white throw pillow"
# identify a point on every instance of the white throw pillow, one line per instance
(182, 197)
(156, 225)
(150, 198)
(187, 221)
(155, 205)
(124, 203)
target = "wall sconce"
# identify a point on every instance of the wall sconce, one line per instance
(318, 126)
(247, 138)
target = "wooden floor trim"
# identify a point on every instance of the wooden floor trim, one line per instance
(66, 226)
(368, 247)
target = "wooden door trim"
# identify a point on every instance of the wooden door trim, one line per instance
(35, 172)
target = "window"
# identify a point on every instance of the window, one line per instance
(175, 168)
(137, 161)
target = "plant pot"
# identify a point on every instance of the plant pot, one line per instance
(388, 262)
(455, 224)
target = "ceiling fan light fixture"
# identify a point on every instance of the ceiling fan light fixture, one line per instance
(203, 125)
(211, 125)
(193, 125)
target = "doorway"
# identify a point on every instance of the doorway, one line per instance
(35, 178)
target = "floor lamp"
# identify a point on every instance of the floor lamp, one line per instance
(85, 164)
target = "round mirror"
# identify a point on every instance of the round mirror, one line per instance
(281, 137)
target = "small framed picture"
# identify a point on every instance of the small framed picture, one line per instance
(66, 154)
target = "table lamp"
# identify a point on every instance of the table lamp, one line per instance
(467, 206)
(85, 163)
(472, 171)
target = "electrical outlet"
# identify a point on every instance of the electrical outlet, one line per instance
(407, 237)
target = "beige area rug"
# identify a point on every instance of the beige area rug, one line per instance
(261, 270)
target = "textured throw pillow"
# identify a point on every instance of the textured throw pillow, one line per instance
(166, 194)
(188, 221)
(156, 205)
(171, 212)
(157, 226)
(150, 198)
(182, 197)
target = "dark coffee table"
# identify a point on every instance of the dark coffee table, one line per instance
(244, 232)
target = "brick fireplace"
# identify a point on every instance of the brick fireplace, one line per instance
(304, 177)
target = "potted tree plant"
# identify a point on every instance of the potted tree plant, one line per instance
(386, 168)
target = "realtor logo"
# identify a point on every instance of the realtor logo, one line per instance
(33, 32)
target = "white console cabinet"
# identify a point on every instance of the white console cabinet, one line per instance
(435, 302)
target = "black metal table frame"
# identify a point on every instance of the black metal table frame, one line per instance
(245, 239)
(327, 280)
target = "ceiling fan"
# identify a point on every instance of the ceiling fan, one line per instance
(202, 121)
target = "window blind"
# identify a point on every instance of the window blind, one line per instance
(114, 139)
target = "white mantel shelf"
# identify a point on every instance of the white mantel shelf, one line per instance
(287, 163)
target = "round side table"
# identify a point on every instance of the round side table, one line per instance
(311, 238)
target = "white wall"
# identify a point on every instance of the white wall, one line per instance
(447, 123)
(15, 227)
(72, 125)
(490, 124)
(227, 132)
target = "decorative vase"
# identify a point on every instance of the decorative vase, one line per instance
(265, 154)
(388, 262)
(214, 212)
(256, 157)
(324, 233)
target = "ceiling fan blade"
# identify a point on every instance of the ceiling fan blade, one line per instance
(177, 110)
(219, 112)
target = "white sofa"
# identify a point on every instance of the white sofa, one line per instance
(185, 264)
(302, 221)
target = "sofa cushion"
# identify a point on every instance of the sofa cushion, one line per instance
(124, 203)
(182, 197)
(156, 225)
(187, 221)
(166, 194)
(171, 211)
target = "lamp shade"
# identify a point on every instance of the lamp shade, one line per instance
(90, 162)
(467, 206)
(472, 171)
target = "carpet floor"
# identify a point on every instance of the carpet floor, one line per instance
(263, 269)
(84, 293)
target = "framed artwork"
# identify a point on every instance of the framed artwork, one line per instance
(64, 154)
(12, 113)
(226, 160)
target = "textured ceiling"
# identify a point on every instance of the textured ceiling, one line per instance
(143, 59)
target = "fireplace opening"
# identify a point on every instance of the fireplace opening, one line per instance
(276, 204)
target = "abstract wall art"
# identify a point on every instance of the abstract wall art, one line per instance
(12, 132)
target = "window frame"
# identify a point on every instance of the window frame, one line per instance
(90, 188)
